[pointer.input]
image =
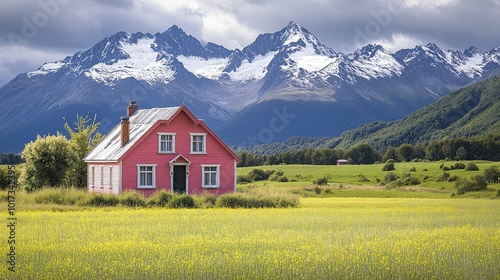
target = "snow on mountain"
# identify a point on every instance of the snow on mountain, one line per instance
(142, 64)
(240, 88)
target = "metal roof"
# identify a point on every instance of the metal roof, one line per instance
(110, 149)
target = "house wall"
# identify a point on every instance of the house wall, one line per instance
(146, 152)
(110, 182)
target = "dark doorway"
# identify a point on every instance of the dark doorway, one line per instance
(179, 178)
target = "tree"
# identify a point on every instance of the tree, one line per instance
(362, 154)
(83, 138)
(492, 174)
(406, 151)
(47, 161)
(461, 153)
(390, 154)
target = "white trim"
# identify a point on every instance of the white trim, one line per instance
(110, 184)
(204, 143)
(102, 177)
(120, 177)
(153, 179)
(92, 183)
(217, 178)
(235, 165)
(160, 134)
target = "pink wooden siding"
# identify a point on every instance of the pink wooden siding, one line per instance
(110, 180)
(146, 152)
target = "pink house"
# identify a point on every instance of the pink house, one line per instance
(161, 149)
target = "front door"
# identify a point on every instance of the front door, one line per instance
(179, 178)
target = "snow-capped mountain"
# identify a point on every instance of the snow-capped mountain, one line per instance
(283, 84)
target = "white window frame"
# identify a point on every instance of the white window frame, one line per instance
(217, 174)
(111, 177)
(160, 134)
(102, 176)
(204, 145)
(153, 178)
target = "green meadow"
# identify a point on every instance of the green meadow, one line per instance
(343, 180)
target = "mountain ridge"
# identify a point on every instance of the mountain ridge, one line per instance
(237, 90)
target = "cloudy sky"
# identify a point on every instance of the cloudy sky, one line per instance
(36, 31)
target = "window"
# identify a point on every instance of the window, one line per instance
(198, 144)
(210, 176)
(146, 176)
(102, 176)
(166, 142)
(110, 176)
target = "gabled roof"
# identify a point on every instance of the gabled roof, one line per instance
(142, 122)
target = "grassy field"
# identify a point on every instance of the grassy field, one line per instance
(344, 179)
(327, 238)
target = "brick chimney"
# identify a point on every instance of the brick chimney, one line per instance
(131, 108)
(125, 131)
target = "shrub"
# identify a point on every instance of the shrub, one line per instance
(207, 200)
(132, 199)
(258, 174)
(321, 181)
(492, 174)
(390, 177)
(388, 166)
(443, 177)
(243, 179)
(181, 201)
(413, 169)
(475, 183)
(459, 165)
(59, 196)
(453, 178)
(471, 167)
(317, 190)
(160, 198)
(100, 200)
(362, 178)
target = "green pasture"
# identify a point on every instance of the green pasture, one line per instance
(344, 179)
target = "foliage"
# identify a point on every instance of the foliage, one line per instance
(388, 166)
(258, 174)
(362, 178)
(132, 199)
(492, 174)
(362, 154)
(181, 201)
(244, 178)
(406, 151)
(471, 167)
(390, 177)
(321, 181)
(47, 161)
(391, 153)
(159, 198)
(474, 183)
(83, 138)
(253, 200)
(101, 200)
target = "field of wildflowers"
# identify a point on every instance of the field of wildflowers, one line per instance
(326, 238)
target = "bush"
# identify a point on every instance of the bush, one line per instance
(100, 200)
(459, 165)
(475, 183)
(362, 178)
(317, 190)
(444, 177)
(132, 199)
(181, 201)
(240, 179)
(471, 167)
(413, 169)
(492, 174)
(258, 174)
(207, 200)
(59, 196)
(321, 181)
(390, 177)
(159, 198)
(388, 166)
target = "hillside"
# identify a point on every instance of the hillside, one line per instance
(471, 111)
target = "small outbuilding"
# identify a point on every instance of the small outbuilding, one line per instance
(342, 161)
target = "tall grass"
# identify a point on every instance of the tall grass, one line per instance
(327, 238)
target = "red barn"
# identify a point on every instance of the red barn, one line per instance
(161, 149)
